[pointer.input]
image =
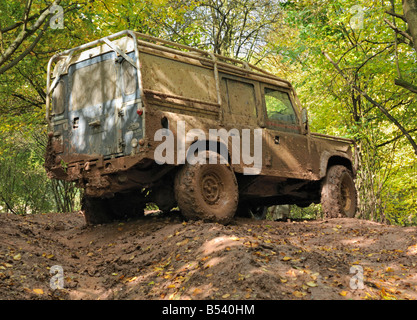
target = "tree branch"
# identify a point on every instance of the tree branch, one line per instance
(372, 101)
(18, 24)
(406, 85)
(394, 139)
(24, 34)
(24, 53)
(396, 15)
(401, 32)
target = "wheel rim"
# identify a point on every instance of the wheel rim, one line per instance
(211, 187)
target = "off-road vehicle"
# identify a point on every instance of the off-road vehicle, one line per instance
(113, 102)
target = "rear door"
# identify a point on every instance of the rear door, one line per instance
(94, 100)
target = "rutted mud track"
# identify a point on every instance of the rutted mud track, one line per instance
(164, 257)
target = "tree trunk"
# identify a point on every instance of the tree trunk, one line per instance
(410, 13)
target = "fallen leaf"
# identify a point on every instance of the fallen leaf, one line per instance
(386, 296)
(343, 293)
(17, 257)
(286, 258)
(314, 276)
(411, 250)
(181, 243)
(197, 291)
(38, 291)
(225, 296)
(291, 273)
(311, 284)
(299, 294)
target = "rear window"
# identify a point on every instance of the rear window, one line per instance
(58, 98)
(94, 84)
(129, 78)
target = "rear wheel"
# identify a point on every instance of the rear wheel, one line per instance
(120, 207)
(338, 196)
(95, 210)
(207, 191)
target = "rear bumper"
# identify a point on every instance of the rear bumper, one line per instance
(101, 177)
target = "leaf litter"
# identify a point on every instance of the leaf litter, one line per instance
(164, 257)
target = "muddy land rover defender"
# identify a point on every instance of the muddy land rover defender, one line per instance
(115, 103)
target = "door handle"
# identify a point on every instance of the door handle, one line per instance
(276, 139)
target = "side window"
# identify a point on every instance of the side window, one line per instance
(241, 98)
(279, 107)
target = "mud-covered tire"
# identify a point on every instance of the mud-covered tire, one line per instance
(128, 205)
(95, 210)
(207, 192)
(338, 195)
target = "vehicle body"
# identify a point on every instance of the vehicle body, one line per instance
(111, 96)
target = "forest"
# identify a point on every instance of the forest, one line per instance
(353, 64)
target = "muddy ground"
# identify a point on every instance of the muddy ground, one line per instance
(164, 257)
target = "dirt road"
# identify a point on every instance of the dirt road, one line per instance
(164, 257)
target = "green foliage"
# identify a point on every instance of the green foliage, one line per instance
(286, 37)
(24, 187)
(368, 56)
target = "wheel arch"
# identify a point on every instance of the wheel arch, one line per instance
(329, 160)
(210, 145)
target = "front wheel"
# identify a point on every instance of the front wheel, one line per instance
(206, 191)
(338, 195)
